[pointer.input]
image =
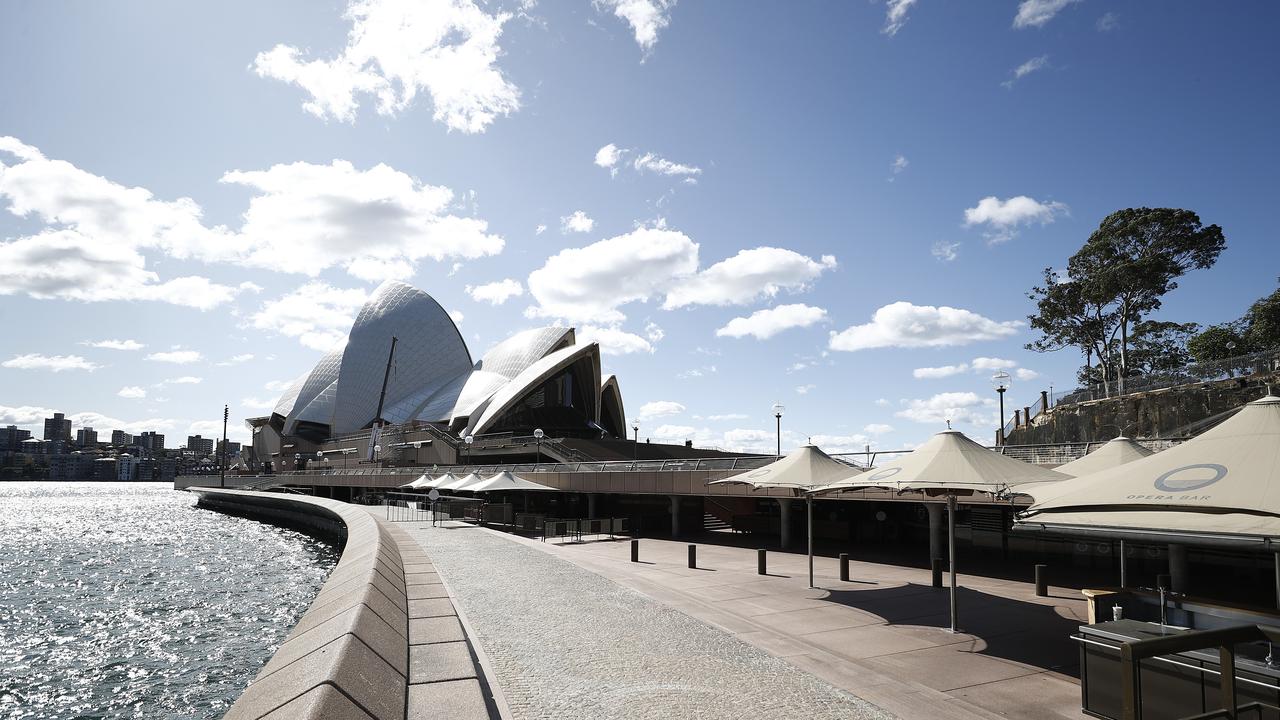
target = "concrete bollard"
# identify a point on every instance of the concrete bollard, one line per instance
(693, 556)
(937, 572)
(762, 567)
(844, 567)
(1042, 581)
(635, 551)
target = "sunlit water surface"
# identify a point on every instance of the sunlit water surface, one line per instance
(123, 600)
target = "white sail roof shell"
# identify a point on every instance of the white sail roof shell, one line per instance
(430, 354)
(504, 361)
(507, 396)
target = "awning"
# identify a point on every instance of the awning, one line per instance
(505, 481)
(1113, 453)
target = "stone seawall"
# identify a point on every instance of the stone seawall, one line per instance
(349, 654)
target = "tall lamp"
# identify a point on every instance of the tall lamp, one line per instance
(537, 436)
(777, 416)
(1001, 382)
(635, 426)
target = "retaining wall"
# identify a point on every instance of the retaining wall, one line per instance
(349, 654)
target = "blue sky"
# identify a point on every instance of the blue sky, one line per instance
(217, 181)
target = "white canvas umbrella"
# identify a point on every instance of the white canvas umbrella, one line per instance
(950, 464)
(802, 470)
(1113, 453)
(506, 482)
(418, 484)
(439, 480)
(1220, 488)
(461, 483)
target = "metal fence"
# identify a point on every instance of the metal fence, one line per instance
(1260, 363)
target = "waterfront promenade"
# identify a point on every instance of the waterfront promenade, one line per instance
(577, 630)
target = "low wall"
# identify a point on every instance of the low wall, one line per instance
(349, 654)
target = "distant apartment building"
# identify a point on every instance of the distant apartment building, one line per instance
(150, 441)
(127, 468)
(199, 445)
(32, 446)
(104, 469)
(146, 470)
(57, 427)
(120, 438)
(11, 438)
(86, 437)
(168, 470)
(233, 449)
(71, 466)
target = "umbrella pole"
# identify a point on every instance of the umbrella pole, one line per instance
(951, 551)
(809, 522)
(1124, 575)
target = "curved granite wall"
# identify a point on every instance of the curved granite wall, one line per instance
(348, 657)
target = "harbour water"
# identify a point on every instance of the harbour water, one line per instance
(124, 600)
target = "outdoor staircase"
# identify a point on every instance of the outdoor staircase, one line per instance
(711, 523)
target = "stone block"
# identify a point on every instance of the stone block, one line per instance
(455, 699)
(441, 662)
(435, 630)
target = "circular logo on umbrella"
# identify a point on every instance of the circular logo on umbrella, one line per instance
(1191, 477)
(882, 474)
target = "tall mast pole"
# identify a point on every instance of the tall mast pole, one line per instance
(377, 418)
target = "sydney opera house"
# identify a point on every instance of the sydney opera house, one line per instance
(436, 394)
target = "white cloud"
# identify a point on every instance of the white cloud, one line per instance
(577, 222)
(236, 359)
(1037, 13)
(954, 406)
(1108, 22)
(697, 372)
(54, 363)
(751, 274)
(614, 341)
(1003, 217)
(376, 223)
(184, 380)
(496, 293)
(660, 408)
(896, 16)
(398, 48)
(591, 282)
(899, 164)
(883, 402)
(902, 324)
(132, 392)
(877, 429)
(934, 373)
(653, 332)
(177, 357)
(1025, 374)
(278, 385)
(254, 403)
(804, 389)
(24, 415)
(318, 315)
(673, 433)
(945, 251)
(662, 166)
(992, 363)
(114, 344)
(723, 417)
(764, 324)
(456, 316)
(646, 17)
(608, 157)
(855, 443)
(1036, 63)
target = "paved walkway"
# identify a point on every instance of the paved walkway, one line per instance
(882, 636)
(563, 641)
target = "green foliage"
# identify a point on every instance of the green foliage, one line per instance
(1217, 342)
(1114, 281)
(1160, 347)
(1262, 323)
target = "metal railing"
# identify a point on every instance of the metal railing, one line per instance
(1259, 363)
(1132, 654)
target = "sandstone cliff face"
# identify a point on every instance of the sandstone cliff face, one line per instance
(1170, 412)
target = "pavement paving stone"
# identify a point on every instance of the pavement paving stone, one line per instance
(435, 630)
(440, 662)
(455, 700)
(566, 643)
(426, 608)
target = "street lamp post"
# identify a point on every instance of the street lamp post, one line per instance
(537, 436)
(777, 416)
(222, 470)
(1001, 382)
(297, 461)
(467, 441)
(635, 426)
